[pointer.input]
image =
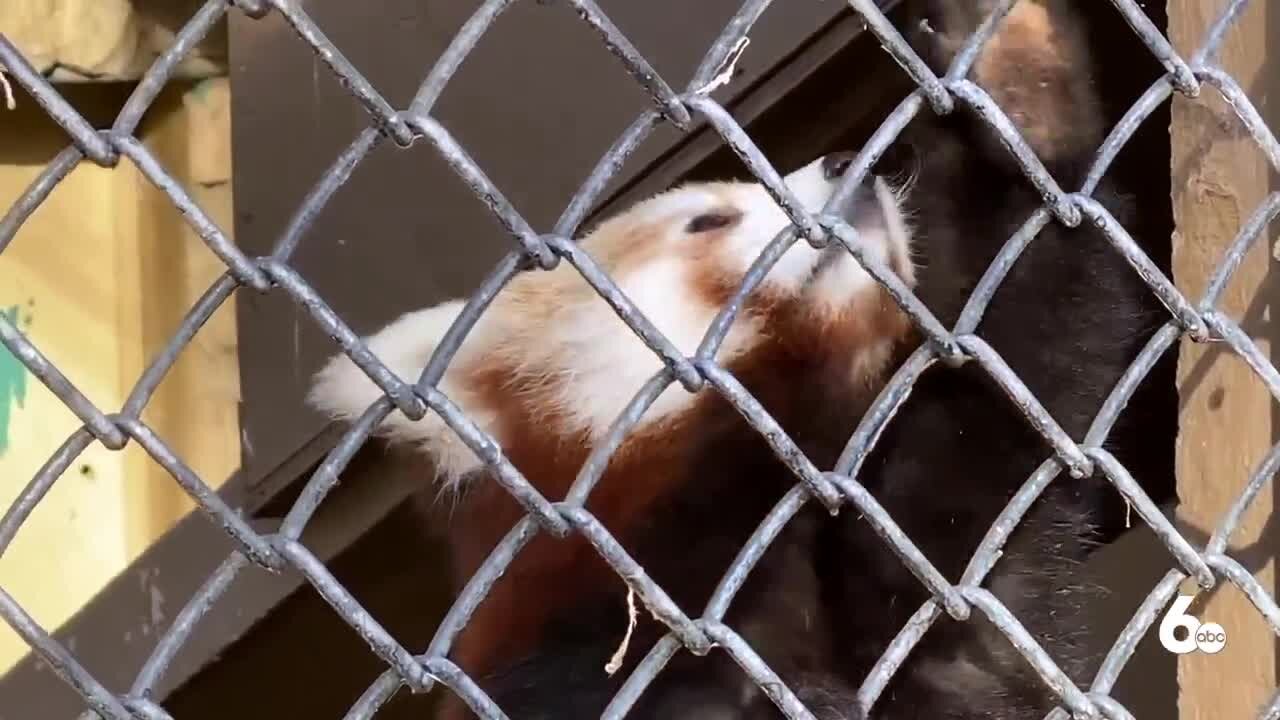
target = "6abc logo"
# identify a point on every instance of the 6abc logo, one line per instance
(1208, 638)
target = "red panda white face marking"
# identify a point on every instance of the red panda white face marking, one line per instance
(873, 211)
(550, 345)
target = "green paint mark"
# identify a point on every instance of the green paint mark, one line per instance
(13, 382)
(201, 89)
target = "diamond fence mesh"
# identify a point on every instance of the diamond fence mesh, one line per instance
(422, 669)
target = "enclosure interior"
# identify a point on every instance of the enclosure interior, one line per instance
(303, 661)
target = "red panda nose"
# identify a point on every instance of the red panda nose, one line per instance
(863, 209)
(835, 164)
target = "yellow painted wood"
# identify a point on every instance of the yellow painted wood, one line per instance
(166, 269)
(99, 40)
(1227, 419)
(100, 277)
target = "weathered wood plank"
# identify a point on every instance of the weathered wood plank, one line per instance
(106, 40)
(1227, 419)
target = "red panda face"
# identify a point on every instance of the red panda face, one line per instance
(557, 350)
(700, 240)
(826, 280)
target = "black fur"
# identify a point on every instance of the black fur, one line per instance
(1068, 319)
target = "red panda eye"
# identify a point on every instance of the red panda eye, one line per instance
(710, 221)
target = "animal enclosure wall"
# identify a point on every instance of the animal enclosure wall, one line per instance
(341, 202)
(99, 276)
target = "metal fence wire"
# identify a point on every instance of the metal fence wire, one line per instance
(420, 671)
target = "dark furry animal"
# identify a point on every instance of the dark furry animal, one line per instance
(1068, 319)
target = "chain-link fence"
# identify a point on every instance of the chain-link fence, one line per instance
(420, 670)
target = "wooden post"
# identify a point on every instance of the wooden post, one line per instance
(165, 268)
(100, 278)
(1227, 419)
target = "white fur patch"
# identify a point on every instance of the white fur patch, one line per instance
(343, 391)
(610, 363)
(764, 219)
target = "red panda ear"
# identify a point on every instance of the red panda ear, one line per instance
(1036, 67)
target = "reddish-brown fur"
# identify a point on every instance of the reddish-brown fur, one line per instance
(549, 572)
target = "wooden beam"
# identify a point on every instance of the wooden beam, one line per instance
(116, 631)
(165, 269)
(106, 40)
(1227, 420)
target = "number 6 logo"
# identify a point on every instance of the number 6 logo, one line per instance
(1208, 638)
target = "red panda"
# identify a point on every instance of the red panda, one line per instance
(550, 366)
